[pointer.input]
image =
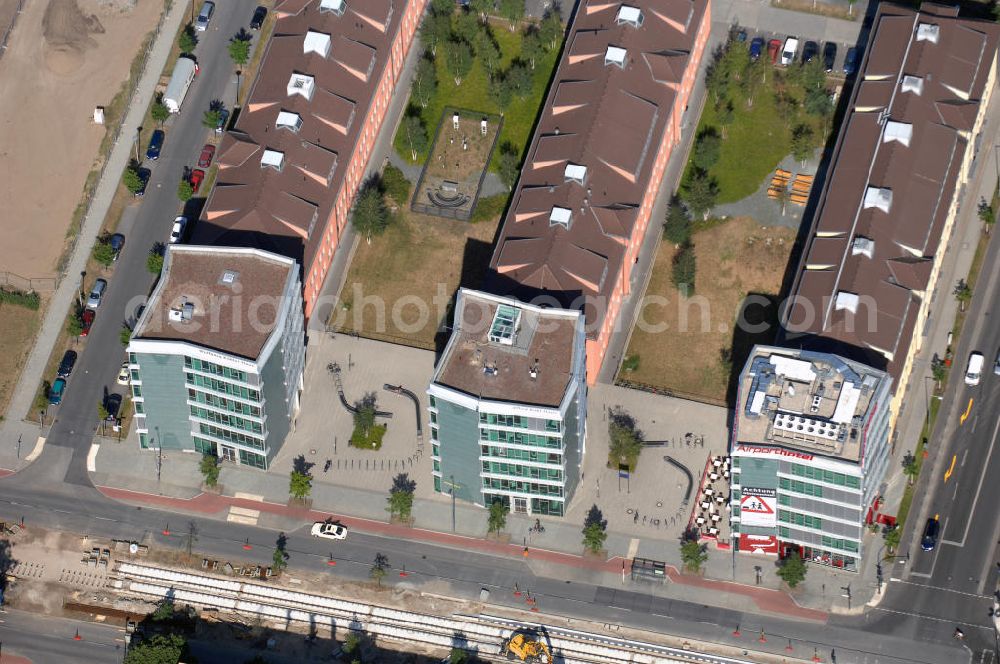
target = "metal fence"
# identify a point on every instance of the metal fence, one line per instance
(10, 28)
(26, 284)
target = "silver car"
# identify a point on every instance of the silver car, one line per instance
(205, 16)
(96, 293)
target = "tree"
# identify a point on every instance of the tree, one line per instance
(466, 27)
(239, 49)
(706, 149)
(595, 528)
(416, 136)
(625, 440)
(211, 118)
(401, 497)
(442, 7)
(724, 114)
(818, 103)
(209, 468)
(892, 538)
(299, 485)
(379, 567)
(164, 611)
(509, 164)
(435, 30)
(939, 371)
(962, 293)
(74, 326)
(188, 39)
(184, 190)
(280, 557)
(159, 649)
(487, 50)
(532, 47)
(104, 253)
(159, 112)
(154, 262)
(458, 656)
(425, 81)
(802, 142)
(910, 468)
(500, 91)
(683, 269)
(102, 414)
(482, 8)
(132, 180)
(371, 216)
(497, 518)
(395, 185)
(519, 79)
(987, 215)
(458, 59)
(693, 554)
(792, 570)
(125, 335)
(550, 30)
(677, 226)
(700, 192)
(513, 11)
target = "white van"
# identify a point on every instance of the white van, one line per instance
(974, 370)
(789, 51)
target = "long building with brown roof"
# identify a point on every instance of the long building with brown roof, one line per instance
(888, 209)
(289, 169)
(594, 167)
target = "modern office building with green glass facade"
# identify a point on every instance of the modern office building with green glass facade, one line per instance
(508, 405)
(810, 450)
(217, 355)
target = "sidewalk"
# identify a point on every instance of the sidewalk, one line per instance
(70, 281)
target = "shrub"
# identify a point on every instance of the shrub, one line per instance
(677, 226)
(706, 149)
(26, 299)
(510, 166)
(103, 253)
(188, 39)
(395, 184)
(683, 270)
(693, 554)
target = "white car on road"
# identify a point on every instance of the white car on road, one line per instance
(329, 530)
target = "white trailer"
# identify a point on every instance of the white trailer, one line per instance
(184, 72)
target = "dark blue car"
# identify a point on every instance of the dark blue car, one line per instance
(756, 48)
(851, 61)
(155, 145)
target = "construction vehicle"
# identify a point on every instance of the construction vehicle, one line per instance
(525, 646)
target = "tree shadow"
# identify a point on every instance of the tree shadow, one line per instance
(301, 466)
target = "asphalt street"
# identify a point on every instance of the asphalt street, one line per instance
(76, 418)
(47, 640)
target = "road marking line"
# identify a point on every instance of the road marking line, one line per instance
(249, 496)
(92, 458)
(243, 515)
(945, 590)
(951, 468)
(979, 487)
(965, 415)
(922, 575)
(37, 452)
(633, 547)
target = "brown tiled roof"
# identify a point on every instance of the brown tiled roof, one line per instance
(920, 83)
(235, 318)
(284, 209)
(611, 120)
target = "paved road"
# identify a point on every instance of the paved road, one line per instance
(94, 376)
(47, 640)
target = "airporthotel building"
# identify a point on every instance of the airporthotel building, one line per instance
(613, 116)
(289, 169)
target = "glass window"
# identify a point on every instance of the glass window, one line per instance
(252, 459)
(853, 482)
(138, 407)
(434, 418)
(133, 358)
(434, 433)
(144, 441)
(137, 391)
(433, 402)
(437, 484)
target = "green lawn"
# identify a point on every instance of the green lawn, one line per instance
(473, 94)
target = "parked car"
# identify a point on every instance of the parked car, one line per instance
(97, 293)
(67, 364)
(87, 319)
(756, 48)
(197, 177)
(829, 56)
(851, 61)
(223, 119)
(113, 404)
(143, 174)
(774, 50)
(205, 16)
(789, 51)
(207, 153)
(57, 391)
(177, 232)
(259, 15)
(155, 145)
(117, 242)
(123, 374)
(996, 365)
(929, 539)
(974, 369)
(329, 530)
(810, 51)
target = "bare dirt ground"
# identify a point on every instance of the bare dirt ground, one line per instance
(63, 58)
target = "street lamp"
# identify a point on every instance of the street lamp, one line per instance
(238, 73)
(159, 454)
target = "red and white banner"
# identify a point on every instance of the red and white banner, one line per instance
(759, 544)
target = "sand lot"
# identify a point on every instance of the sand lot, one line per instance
(63, 58)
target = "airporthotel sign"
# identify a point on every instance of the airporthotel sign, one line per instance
(757, 450)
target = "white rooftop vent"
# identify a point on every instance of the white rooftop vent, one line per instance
(301, 84)
(175, 315)
(335, 6)
(901, 132)
(863, 246)
(561, 216)
(878, 197)
(847, 301)
(615, 56)
(291, 121)
(928, 32)
(914, 84)
(630, 15)
(575, 172)
(187, 311)
(272, 158)
(316, 42)
(229, 277)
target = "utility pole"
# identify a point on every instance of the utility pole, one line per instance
(452, 478)
(18, 446)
